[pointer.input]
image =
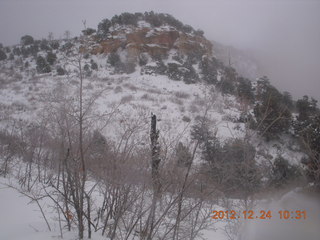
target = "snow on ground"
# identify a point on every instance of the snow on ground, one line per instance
(291, 226)
(21, 219)
(134, 97)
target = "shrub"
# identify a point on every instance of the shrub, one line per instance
(130, 86)
(272, 116)
(54, 45)
(186, 119)
(3, 55)
(181, 94)
(51, 58)
(94, 65)
(287, 100)
(237, 169)
(310, 137)
(147, 97)
(60, 71)
(153, 19)
(176, 101)
(193, 108)
(44, 45)
(160, 68)
(208, 70)
(199, 32)
(16, 51)
(88, 31)
(143, 59)
(113, 59)
(174, 72)
(128, 19)
(103, 28)
(306, 108)
(127, 98)
(118, 89)
(232, 166)
(283, 173)
(26, 40)
(67, 46)
(190, 75)
(183, 155)
(31, 49)
(42, 65)
(244, 89)
(87, 70)
(154, 90)
(187, 28)
(228, 80)
(128, 67)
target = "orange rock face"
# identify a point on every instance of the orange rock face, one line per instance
(154, 42)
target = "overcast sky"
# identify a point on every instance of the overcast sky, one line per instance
(284, 33)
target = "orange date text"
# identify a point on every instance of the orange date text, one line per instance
(263, 214)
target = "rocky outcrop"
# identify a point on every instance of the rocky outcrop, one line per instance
(155, 42)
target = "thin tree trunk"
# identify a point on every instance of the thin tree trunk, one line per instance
(89, 216)
(155, 161)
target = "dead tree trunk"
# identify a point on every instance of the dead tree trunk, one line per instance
(156, 185)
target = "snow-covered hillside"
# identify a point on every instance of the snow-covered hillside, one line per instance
(75, 136)
(133, 97)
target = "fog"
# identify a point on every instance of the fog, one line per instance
(284, 34)
(289, 227)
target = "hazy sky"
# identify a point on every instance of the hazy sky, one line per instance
(285, 33)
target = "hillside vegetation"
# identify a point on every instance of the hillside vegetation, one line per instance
(134, 130)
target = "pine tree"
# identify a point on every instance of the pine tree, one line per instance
(103, 28)
(287, 100)
(3, 55)
(183, 155)
(272, 116)
(26, 40)
(311, 138)
(208, 70)
(227, 83)
(283, 173)
(60, 71)
(244, 89)
(42, 65)
(306, 108)
(51, 58)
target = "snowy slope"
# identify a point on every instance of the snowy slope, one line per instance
(21, 218)
(134, 97)
(27, 97)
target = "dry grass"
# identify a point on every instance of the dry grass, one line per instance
(182, 109)
(199, 102)
(89, 86)
(130, 86)
(182, 95)
(186, 119)
(193, 108)
(176, 100)
(127, 98)
(16, 88)
(147, 97)
(118, 89)
(153, 90)
(74, 82)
